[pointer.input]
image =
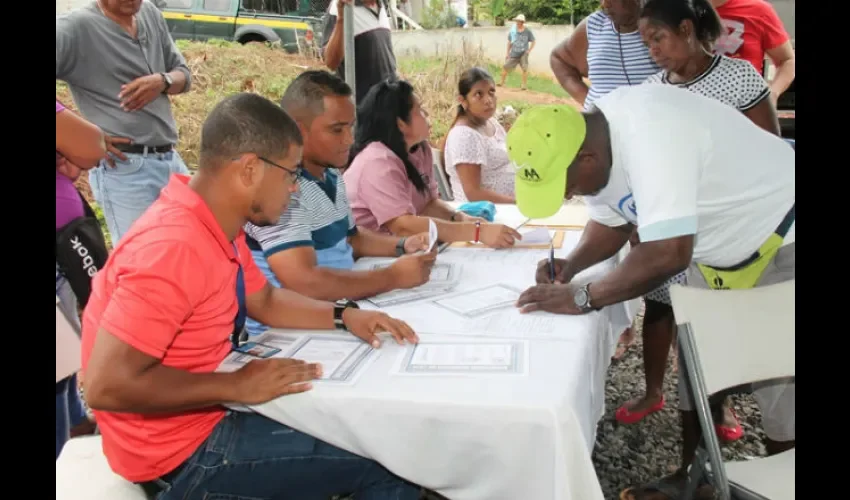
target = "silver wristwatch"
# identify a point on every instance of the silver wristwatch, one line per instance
(582, 298)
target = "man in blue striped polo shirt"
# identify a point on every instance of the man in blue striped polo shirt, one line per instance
(313, 246)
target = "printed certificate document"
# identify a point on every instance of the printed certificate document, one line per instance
(446, 357)
(475, 303)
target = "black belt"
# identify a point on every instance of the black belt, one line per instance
(152, 488)
(782, 229)
(141, 149)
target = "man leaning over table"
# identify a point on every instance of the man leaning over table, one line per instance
(312, 248)
(165, 311)
(708, 191)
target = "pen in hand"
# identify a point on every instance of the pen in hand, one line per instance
(551, 262)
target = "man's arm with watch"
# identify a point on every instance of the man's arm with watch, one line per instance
(174, 82)
(282, 308)
(366, 243)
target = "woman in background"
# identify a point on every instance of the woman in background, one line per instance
(476, 157)
(390, 183)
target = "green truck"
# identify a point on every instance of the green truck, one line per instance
(294, 24)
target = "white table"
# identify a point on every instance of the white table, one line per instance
(478, 437)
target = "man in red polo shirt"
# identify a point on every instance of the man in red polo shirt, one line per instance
(161, 319)
(753, 30)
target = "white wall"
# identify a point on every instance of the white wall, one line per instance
(63, 6)
(493, 40)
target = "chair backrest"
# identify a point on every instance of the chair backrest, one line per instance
(741, 336)
(442, 181)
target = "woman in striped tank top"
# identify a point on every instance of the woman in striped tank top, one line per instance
(607, 48)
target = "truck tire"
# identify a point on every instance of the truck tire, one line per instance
(252, 38)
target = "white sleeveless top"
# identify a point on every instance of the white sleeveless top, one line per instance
(614, 59)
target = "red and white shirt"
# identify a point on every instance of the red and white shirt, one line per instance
(752, 28)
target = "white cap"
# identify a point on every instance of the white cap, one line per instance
(520, 18)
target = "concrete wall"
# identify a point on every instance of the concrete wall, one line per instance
(785, 10)
(493, 40)
(63, 6)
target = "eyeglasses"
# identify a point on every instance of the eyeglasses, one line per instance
(295, 174)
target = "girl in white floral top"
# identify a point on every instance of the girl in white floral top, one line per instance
(476, 157)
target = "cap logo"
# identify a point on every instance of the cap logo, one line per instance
(530, 174)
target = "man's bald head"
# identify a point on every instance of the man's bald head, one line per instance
(246, 123)
(305, 96)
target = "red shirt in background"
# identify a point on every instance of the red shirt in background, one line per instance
(168, 290)
(752, 28)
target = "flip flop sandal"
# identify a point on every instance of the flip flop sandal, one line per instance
(728, 435)
(665, 486)
(625, 416)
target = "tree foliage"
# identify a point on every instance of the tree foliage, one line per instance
(544, 11)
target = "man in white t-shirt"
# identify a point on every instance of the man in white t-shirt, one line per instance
(708, 191)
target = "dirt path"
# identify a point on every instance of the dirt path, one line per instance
(512, 94)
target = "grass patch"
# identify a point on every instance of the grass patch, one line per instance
(221, 68)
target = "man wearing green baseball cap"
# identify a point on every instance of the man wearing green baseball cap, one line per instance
(710, 193)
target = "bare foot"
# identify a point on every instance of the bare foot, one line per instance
(627, 338)
(642, 404)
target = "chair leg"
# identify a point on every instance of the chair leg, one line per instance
(694, 382)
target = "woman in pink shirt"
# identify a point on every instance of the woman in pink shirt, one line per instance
(390, 183)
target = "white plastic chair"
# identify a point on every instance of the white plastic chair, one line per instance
(82, 473)
(760, 324)
(443, 185)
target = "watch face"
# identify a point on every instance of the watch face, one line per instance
(580, 297)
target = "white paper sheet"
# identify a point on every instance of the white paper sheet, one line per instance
(535, 236)
(343, 359)
(432, 234)
(474, 303)
(446, 357)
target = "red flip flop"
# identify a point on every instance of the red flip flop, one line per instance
(625, 416)
(728, 435)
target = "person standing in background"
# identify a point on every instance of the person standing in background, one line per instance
(753, 30)
(120, 63)
(374, 59)
(520, 43)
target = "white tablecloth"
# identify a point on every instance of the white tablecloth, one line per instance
(494, 437)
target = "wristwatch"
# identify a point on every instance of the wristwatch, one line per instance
(167, 80)
(582, 299)
(399, 247)
(339, 307)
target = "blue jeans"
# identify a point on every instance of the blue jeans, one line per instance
(251, 457)
(69, 410)
(126, 191)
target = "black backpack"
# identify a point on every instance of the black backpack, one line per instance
(81, 252)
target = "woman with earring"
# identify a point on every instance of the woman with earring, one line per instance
(476, 157)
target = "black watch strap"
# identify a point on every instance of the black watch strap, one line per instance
(339, 307)
(399, 247)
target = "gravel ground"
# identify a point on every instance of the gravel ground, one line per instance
(630, 455)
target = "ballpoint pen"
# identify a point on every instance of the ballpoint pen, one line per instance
(551, 262)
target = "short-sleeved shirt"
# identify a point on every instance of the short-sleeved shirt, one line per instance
(687, 165)
(752, 27)
(69, 205)
(373, 45)
(731, 81)
(379, 189)
(467, 145)
(614, 59)
(520, 41)
(318, 216)
(169, 291)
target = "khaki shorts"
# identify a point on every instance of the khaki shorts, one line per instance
(512, 62)
(777, 400)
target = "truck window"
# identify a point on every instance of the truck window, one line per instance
(271, 6)
(174, 4)
(217, 5)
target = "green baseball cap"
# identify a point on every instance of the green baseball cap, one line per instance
(543, 142)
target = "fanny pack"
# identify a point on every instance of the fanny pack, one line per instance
(747, 274)
(81, 251)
